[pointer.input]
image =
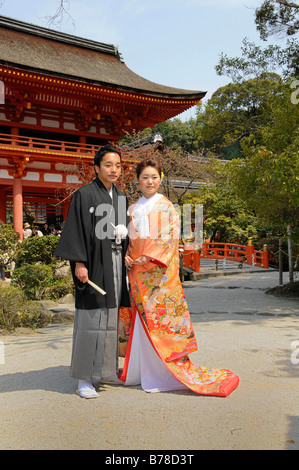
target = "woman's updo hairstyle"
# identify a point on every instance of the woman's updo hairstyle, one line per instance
(148, 162)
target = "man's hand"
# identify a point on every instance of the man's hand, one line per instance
(128, 261)
(81, 272)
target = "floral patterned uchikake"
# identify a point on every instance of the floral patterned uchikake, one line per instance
(158, 298)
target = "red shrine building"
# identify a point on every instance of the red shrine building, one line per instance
(61, 98)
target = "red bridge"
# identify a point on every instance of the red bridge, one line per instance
(192, 253)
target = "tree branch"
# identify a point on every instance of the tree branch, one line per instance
(288, 4)
(61, 14)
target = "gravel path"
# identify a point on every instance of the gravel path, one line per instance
(237, 326)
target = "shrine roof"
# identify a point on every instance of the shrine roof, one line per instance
(24, 45)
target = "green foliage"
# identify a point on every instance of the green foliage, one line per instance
(39, 281)
(270, 184)
(255, 99)
(16, 310)
(255, 61)
(36, 270)
(176, 134)
(268, 176)
(179, 135)
(38, 250)
(258, 112)
(33, 279)
(227, 218)
(276, 17)
(59, 288)
(235, 111)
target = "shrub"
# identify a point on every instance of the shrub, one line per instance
(38, 250)
(16, 310)
(37, 270)
(39, 281)
(33, 279)
(59, 288)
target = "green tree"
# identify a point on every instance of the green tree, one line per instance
(268, 175)
(227, 217)
(259, 112)
(256, 61)
(244, 106)
(179, 135)
(38, 250)
(235, 111)
(277, 17)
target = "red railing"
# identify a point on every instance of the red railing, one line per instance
(192, 253)
(230, 251)
(17, 142)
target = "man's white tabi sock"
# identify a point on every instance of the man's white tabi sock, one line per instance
(86, 390)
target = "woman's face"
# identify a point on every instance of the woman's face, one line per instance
(149, 181)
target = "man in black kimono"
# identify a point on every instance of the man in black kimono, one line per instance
(94, 245)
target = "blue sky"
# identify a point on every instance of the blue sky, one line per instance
(172, 42)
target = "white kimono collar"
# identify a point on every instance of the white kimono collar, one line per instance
(141, 210)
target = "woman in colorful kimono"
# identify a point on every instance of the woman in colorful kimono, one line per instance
(161, 335)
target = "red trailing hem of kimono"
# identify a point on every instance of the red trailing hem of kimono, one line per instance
(201, 380)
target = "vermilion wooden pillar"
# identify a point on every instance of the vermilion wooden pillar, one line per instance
(3, 206)
(18, 206)
(250, 252)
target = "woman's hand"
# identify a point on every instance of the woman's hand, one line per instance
(81, 272)
(142, 260)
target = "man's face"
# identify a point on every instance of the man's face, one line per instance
(109, 169)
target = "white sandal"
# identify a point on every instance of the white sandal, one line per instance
(86, 390)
